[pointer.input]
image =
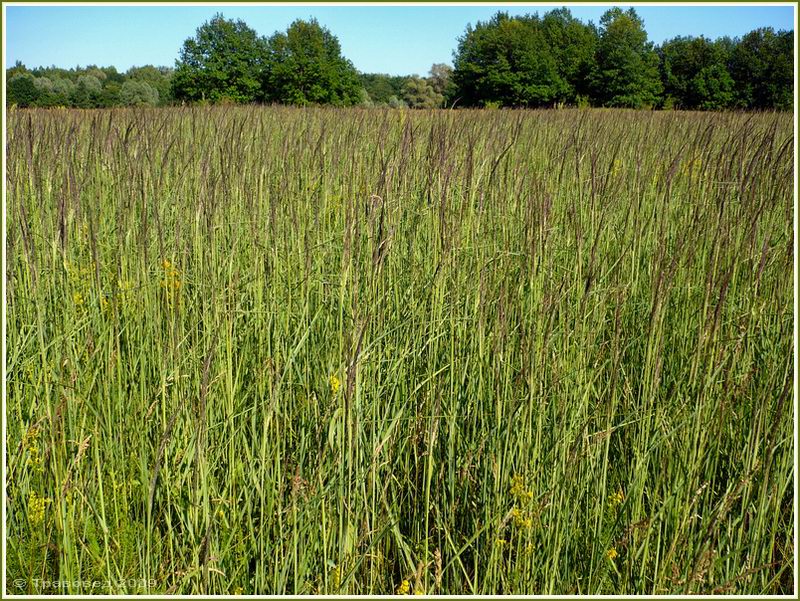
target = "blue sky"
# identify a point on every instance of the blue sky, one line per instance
(378, 39)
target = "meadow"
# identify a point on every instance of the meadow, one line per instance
(264, 350)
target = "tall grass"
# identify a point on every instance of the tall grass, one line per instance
(279, 351)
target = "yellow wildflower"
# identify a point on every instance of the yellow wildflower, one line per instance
(521, 520)
(77, 298)
(30, 437)
(528, 549)
(617, 498)
(36, 505)
(611, 554)
(171, 282)
(34, 458)
(518, 490)
(335, 384)
(404, 587)
(30, 442)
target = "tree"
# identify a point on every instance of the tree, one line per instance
(54, 73)
(694, 74)
(712, 86)
(46, 96)
(111, 75)
(17, 69)
(90, 87)
(306, 66)
(441, 79)
(627, 67)
(761, 65)
(62, 91)
(158, 78)
(87, 93)
(225, 60)
(420, 94)
(94, 71)
(111, 93)
(138, 93)
(573, 45)
(91, 83)
(506, 61)
(21, 90)
(364, 98)
(381, 87)
(396, 103)
(43, 84)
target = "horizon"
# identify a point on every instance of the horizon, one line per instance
(409, 38)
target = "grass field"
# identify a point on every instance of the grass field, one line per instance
(279, 351)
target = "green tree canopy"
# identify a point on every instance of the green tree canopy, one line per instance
(91, 83)
(158, 78)
(508, 61)
(695, 74)
(627, 66)
(573, 46)
(761, 65)
(440, 77)
(21, 89)
(306, 66)
(47, 95)
(18, 69)
(524, 61)
(420, 94)
(138, 93)
(224, 61)
(112, 76)
(396, 103)
(63, 89)
(87, 93)
(381, 87)
(43, 84)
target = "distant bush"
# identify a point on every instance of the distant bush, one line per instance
(138, 93)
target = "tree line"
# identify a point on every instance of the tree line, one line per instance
(88, 87)
(557, 59)
(507, 61)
